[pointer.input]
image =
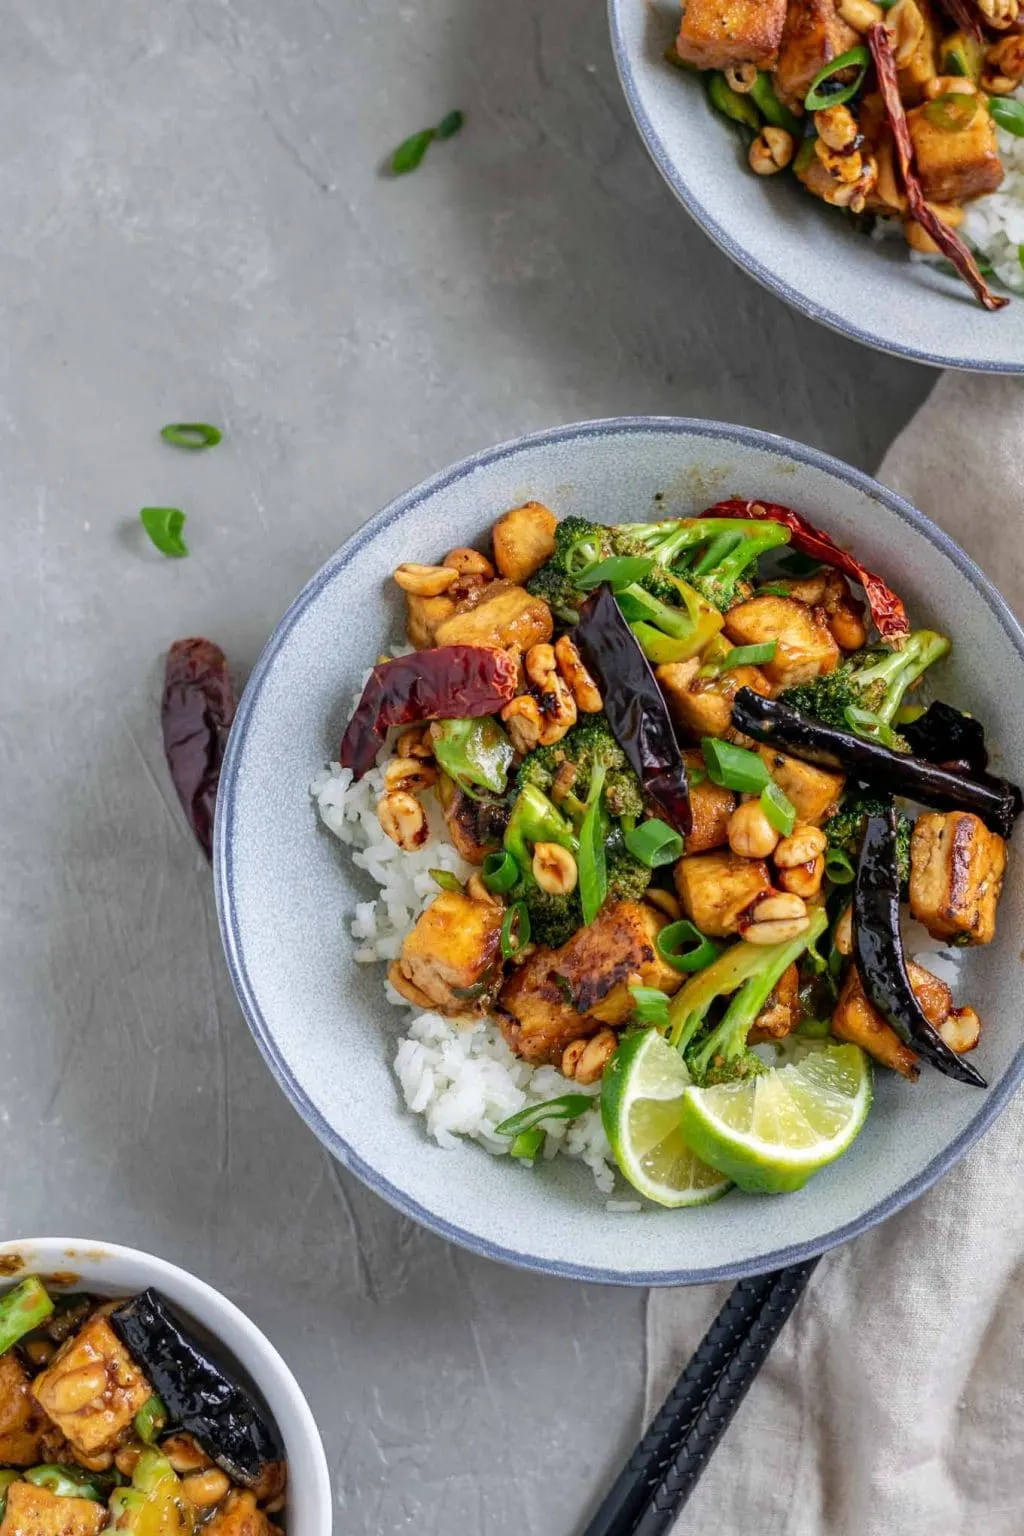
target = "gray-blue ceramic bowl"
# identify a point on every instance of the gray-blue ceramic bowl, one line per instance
(286, 889)
(808, 254)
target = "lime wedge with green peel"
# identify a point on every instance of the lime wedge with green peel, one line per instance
(771, 1132)
(641, 1097)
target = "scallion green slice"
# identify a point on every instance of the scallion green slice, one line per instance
(499, 872)
(682, 946)
(528, 1144)
(445, 880)
(839, 867)
(515, 930)
(817, 99)
(191, 434)
(1008, 113)
(650, 1006)
(734, 767)
(654, 843)
(568, 1107)
(779, 809)
(164, 526)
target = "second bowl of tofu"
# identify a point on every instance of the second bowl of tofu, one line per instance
(817, 258)
(136, 1398)
(289, 899)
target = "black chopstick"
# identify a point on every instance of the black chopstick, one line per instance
(663, 1470)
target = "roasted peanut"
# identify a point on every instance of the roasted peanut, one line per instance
(469, 562)
(563, 781)
(101, 1461)
(1004, 66)
(837, 126)
(523, 718)
(478, 891)
(204, 1489)
(597, 1053)
(554, 869)
(860, 14)
(39, 1351)
(771, 151)
(905, 26)
(582, 686)
(999, 14)
(663, 901)
(843, 935)
(949, 85)
(403, 819)
(570, 1057)
(776, 919)
(750, 833)
(425, 580)
(803, 879)
(961, 1029)
(182, 1451)
(414, 742)
(126, 1459)
(741, 77)
(802, 845)
(557, 705)
(843, 165)
(78, 1389)
(409, 773)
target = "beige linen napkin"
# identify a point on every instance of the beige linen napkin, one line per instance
(893, 1403)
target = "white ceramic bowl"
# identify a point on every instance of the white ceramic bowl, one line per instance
(810, 255)
(286, 889)
(109, 1270)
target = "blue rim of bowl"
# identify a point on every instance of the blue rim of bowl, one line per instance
(743, 257)
(683, 427)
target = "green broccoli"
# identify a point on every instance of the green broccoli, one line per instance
(845, 828)
(711, 554)
(628, 879)
(864, 693)
(586, 744)
(747, 974)
(534, 819)
(579, 544)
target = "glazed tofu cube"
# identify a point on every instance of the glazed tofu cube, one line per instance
(711, 806)
(453, 954)
(716, 888)
(35, 1511)
(422, 617)
(523, 539)
(499, 613)
(717, 33)
(564, 994)
(855, 1020)
(956, 875)
(813, 791)
(804, 648)
(92, 1389)
(955, 165)
(239, 1516)
(813, 35)
(22, 1423)
(703, 705)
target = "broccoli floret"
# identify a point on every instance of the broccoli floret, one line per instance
(586, 744)
(865, 693)
(628, 879)
(845, 828)
(555, 588)
(712, 554)
(553, 919)
(534, 819)
(747, 974)
(579, 544)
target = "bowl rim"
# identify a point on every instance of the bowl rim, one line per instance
(224, 829)
(745, 258)
(207, 1304)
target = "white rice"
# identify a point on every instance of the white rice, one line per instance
(461, 1077)
(994, 226)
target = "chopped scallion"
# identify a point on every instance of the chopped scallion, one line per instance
(515, 930)
(568, 1107)
(734, 767)
(682, 946)
(650, 1006)
(1008, 113)
(499, 872)
(528, 1144)
(445, 880)
(839, 867)
(822, 95)
(778, 809)
(191, 434)
(654, 843)
(164, 526)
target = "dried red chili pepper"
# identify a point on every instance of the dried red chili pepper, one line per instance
(887, 609)
(197, 709)
(946, 239)
(450, 682)
(634, 704)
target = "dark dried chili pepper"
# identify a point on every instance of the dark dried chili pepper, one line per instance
(887, 609)
(947, 736)
(996, 801)
(450, 682)
(197, 709)
(878, 945)
(948, 241)
(634, 705)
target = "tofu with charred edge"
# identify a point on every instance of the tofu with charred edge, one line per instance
(452, 958)
(856, 1020)
(956, 876)
(33, 1511)
(102, 1421)
(523, 540)
(813, 792)
(561, 995)
(499, 613)
(717, 888)
(717, 33)
(804, 645)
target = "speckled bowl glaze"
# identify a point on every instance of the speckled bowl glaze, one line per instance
(110, 1270)
(286, 889)
(810, 255)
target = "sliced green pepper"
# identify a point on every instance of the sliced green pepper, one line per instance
(475, 753)
(153, 1505)
(22, 1309)
(961, 54)
(66, 1482)
(737, 108)
(772, 109)
(151, 1419)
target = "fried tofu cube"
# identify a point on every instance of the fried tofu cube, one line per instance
(717, 33)
(814, 792)
(711, 806)
(523, 540)
(703, 705)
(855, 1020)
(813, 35)
(453, 954)
(804, 644)
(22, 1422)
(499, 613)
(956, 876)
(33, 1511)
(240, 1516)
(100, 1419)
(422, 617)
(955, 165)
(561, 995)
(717, 888)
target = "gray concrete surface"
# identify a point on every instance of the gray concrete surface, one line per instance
(193, 224)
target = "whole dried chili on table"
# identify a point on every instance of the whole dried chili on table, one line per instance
(197, 709)
(449, 682)
(887, 609)
(634, 704)
(946, 239)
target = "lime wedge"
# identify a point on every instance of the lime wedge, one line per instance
(770, 1133)
(641, 1096)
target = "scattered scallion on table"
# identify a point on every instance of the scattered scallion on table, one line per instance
(164, 526)
(409, 154)
(191, 434)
